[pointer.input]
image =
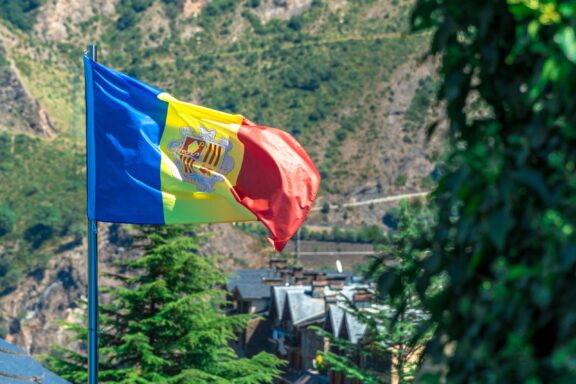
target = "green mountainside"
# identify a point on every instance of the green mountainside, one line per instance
(343, 76)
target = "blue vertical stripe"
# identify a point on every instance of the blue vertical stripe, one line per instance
(127, 125)
(90, 152)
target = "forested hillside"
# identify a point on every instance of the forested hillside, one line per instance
(343, 76)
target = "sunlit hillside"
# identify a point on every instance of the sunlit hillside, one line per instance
(343, 76)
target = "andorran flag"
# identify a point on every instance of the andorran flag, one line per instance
(153, 159)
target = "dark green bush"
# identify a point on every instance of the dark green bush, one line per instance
(9, 273)
(140, 5)
(295, 24)
(217, 7)
(129, 11)
(126, 20)
(47, 222)
(7, 220)
(20, 13)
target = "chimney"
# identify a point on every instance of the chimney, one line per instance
(318, 288)
(301, 281)
(285, 275)
(298, 271)
(336, 285)
(328, 300)
(272, 281)
(277, 264)
(336, 282)
(338, 278)
(362, 298)
(311, 274)
(320, 276)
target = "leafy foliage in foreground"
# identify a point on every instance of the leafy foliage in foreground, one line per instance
(165, 323)
(505, 233)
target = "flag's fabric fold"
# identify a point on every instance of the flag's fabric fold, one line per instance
(153, 159)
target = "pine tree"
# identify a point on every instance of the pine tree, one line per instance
(166, 323)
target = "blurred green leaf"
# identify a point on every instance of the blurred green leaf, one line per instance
(566, 39)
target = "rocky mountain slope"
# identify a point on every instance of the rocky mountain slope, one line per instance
(19, 109)
(343, 76)
(30, 313)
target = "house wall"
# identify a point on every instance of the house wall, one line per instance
(257, 305)
(312, 346)
(257, 337)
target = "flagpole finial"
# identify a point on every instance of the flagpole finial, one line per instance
(92, 50)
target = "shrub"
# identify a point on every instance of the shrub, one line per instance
(20, 13)
(47, 222)
(216, 7)
(7, 220)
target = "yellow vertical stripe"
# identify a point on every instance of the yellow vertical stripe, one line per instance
(195, 189)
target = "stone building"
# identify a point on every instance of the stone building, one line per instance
(290, 305)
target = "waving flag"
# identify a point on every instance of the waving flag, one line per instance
(153, 159)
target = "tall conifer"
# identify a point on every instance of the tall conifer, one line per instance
(166, 323)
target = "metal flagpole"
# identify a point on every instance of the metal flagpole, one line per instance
(92, 280)
(298, 263)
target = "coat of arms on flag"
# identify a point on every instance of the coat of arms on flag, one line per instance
(154, 159)
(200, 158)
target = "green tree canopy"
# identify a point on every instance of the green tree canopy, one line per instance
(165, 323)
(505, 235)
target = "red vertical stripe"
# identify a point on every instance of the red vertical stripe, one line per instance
(219, 154)
(213, 147)
(207, 152)
(277, 182)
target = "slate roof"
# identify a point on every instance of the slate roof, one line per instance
(249, 283)
(17, 367)
(253, 290)
(247, 276)
(346, 324)
(335, 317)
(354, 328)
(253, 276)
(279, 297)
(304, 307)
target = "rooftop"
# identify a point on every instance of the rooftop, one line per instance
(17, 367)
(248, 276)
(303, 305)
(253, 290)
(352, 328)
(303, 308)
(245, 276)
(334, 319)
